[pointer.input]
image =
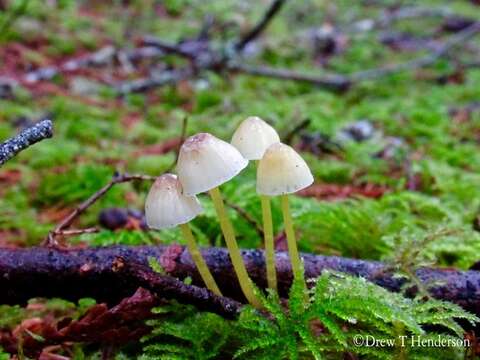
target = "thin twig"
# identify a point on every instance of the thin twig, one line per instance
(411, 13)
(248, 218)
(203, 58)
(287, 139)
(154, 81)
(167, 47)
(67, 221)
(339, 82)
(332, 82)
(261, 25)
(26, 138)
(75, 232)
(388, 17)
(444, 49)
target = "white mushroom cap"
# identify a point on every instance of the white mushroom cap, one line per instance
(253, 137)
(282, 171)
(206, 162)
(166, 205)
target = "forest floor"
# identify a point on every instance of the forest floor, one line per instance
(395, 157)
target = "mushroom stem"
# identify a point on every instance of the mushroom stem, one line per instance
(199, 260)
(233, 249)
(291, 241)
(268, 238)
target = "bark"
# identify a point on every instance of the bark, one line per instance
(95, 272)
(25, 139)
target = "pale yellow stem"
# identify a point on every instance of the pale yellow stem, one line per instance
(233, 249)
(269, 246)
(291, 241)
(199, 261)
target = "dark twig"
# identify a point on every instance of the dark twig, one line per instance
(248, 218)
(333, 82)
(444, 49)
(168, 287)
(26, 138)
(68, 221)
(412, 12)
(261, 25)
(202, 57)
(154, 81)
(167, 47)
(337, 82)
(388, 17)
(287, 139)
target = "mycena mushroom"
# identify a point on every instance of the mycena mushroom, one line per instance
(165, 207)
(252, 138)
(282, 171)
(204, 163)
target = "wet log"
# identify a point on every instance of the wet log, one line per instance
(95, 272)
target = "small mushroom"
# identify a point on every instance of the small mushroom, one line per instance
(282, 171)
(252, 137)
(165, 207)
(204, 163)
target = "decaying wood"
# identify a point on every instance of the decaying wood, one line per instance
(106, 274)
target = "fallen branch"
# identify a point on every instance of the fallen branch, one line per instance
(26, 138)
(168, 287)
(389, 17)
(165, 78)
(333, 82)
(104, 56)
(444, 49)
(204, 58)
(97, 273)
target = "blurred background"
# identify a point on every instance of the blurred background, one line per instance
(381, 98)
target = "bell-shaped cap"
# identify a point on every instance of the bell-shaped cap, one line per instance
(253, 137)
(282, 171)
(166, 206)
(205, 162)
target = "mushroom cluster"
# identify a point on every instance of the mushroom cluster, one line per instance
(204, 164)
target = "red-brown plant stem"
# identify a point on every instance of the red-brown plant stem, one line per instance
(59, 230)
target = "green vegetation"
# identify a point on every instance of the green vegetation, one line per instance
(341, 309)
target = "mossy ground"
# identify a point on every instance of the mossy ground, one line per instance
(97, 134)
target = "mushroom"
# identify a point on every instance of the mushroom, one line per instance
(252, 137)
(204, 163)
(282, 171)
(166, 207)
